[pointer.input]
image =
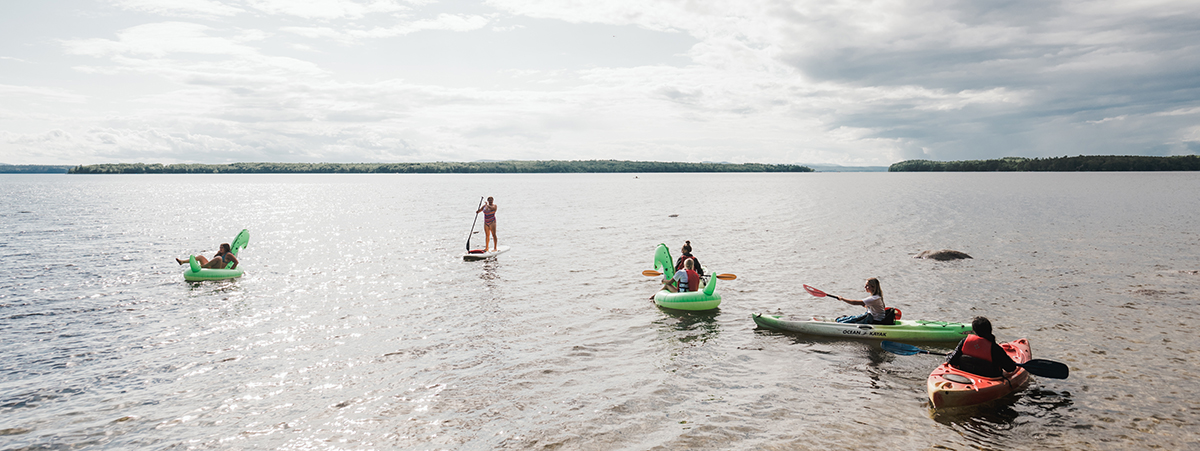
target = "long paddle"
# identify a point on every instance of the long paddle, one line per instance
(726, 276)
(473, 221)
(819, 293)
(1038, 367)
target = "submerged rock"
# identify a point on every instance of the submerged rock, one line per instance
(942, 255)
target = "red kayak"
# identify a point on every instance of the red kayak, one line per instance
(951, 387)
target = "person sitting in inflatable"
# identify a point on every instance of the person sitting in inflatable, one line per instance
(685, 280)
(979, 354)
(687, 255)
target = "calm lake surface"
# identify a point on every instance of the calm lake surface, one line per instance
(358, 326)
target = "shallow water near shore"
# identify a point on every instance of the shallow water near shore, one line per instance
(359, 326)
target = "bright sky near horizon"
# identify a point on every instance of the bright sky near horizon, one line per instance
(856, 83)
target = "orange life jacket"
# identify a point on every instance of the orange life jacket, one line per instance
(977, 347)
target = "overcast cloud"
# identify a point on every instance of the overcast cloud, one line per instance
(821, 82)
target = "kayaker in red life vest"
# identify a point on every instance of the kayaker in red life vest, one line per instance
(876, 311)
(687, 255)
(979, 353)
(684, 280)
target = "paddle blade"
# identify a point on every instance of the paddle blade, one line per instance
(651, 273)
(900, 348)
(814, 291)
(726, 276)
(1046, 368)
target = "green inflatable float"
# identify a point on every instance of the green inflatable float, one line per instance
(706, 299)
(194, 273)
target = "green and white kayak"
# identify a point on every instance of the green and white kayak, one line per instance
(706, 299)
(194, 273)
(903, 330)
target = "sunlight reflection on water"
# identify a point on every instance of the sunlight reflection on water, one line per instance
(358, 326)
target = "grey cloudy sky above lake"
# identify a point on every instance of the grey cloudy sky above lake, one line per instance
(821, 82)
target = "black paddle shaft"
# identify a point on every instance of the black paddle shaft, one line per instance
(473, 221)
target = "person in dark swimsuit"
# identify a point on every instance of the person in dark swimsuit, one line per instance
(489, 225)
(219, 261)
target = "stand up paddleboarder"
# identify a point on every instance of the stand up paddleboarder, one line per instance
(489, 225)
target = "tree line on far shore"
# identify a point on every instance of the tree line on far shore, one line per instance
(33, 169)
(550, 166)
(1082, 163)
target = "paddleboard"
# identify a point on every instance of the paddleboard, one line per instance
(470, 256)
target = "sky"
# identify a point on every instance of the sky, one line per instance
(853, 83)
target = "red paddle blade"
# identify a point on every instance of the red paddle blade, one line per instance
(814, 291)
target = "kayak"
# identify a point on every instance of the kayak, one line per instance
(903, 330)
(952, 387)
(194, 273)
(706, 299)
(472, 256)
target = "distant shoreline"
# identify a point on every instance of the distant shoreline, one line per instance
(496, 167)
(34, 169)
(1090, 163)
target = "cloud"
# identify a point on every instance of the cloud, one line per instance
(54, 94)
(326, 9)
(779, 81)
(162, 39)
(180, 8)
(443, 22)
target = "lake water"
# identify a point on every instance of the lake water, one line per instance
(358, 325)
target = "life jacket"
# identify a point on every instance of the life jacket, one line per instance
(977, 347)
(890, 315)
(684, 258)
(693, 283)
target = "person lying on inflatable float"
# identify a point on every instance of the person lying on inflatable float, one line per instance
(980, 354)
(685, 280)
(219, 261)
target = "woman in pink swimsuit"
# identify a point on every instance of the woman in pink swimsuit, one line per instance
(489, 225)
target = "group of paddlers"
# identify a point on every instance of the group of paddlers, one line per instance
(978, 353)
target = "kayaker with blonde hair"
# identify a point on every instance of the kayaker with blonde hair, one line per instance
(876, 311)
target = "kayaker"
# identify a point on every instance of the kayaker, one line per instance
(979, 353)
(876, 311)
(687, 255)
(489, 225)
(223, 257)
(684, 280)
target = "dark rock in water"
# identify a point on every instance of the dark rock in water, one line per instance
(942, 255)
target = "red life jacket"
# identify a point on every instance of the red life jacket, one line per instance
(679, 265)
(693, 283)
(977, 347)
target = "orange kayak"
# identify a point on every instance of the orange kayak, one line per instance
(951, 387)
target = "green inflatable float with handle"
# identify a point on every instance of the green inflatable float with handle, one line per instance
(194, 273)
(705, 299)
